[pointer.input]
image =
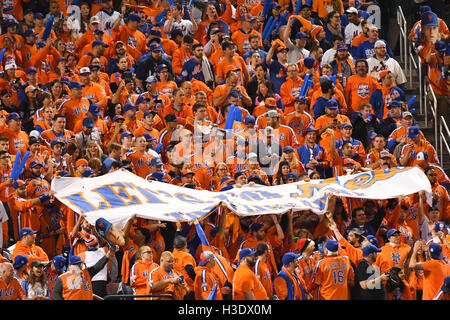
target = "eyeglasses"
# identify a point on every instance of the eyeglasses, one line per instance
(5, 157)
(149, 252)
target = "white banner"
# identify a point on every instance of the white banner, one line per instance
(119, 195)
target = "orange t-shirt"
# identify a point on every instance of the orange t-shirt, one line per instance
(435, 272)
(74, 289)
(289, 91)
(392, 256)
(224, 66)
(241, 40)
(141, 162)
(159, 274)
(359, 91)
(245, 280)
(299, 123)
(74, 110)
(181, 260)
(332, 275)
(139, 278)
(263, 274)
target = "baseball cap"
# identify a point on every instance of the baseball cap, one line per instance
(309, 62)
(394, 103)
(413, 132)
(31, 69)
(156, 33)
(162, 66)
(75, 85)
(436, 251)
(88, 172)
(128, 106)
(205, 257)
(55, 142)
(156, 161)
(332, 103)
(332, 245)
(272, 114)
(346, 125)
(384, 154)
(159, 176)
(383, 74)
(155, 47)
(13, 116)
(246, 253)
(118, 42)
(10, 65)
(171, 117)
(35, 163)
(379, 43)
(85, 70)
(440, 46)
(391, 232)
(125, 134)
(407, 114)
(310, 129)
(429, 19)
(226, 180)
(292, 175)
(270, 102)
(95, 109)
(59, 262)
(446, 286)
(148, 137)
(247, 17)
(370, 249)
(65, 80)
(98, 31)
(118, 117)
(134, 17)
(301, 35)
(88, 122)
(33, 140)
(38, 15)
(26, 231)
(75, 259)
(186, 172)
(352, 10)
(424, 9)
(341, 46)
(249, 119)
(288, 149)
(302, 244)
(142, 98)
(434, 208)
(19, 261)
(93, 66)
(288, 258)
(372, 239)
(94, 19)
(30, 89)
(439, 226)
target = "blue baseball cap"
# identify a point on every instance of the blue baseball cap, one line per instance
(332, 103)
(256, 178)
(88, 172)
(249, 119)
(226, 180)
(292, 175)
(370, 249)
(301, 35)
(75, 85)
(246, 253)
(372, 239)
(26, 231)
(134, 17)
(162, 66)
(59, 262)
(440, 226)
(75, 259)
(38, 16)
(429, 19)
(301, 99)
(88, 122)
(141, 98)
(413, 132)
(29, 32)
(309, 62)
(146, 113)
(332, 245)
(424, 9)
(13, 116)
(288, 258)
(341, 46)
(436, 251)
(148, 137)
(391, 232)
(440, 46)
(56, 141)
(159, 176)
(35, 163)
(19, 261)
(99, 43)
(288, 149)
(346, 125)
(128, 106)
(394, 104)
(125, 134)
(155, 47)
(156, 161)
(95, 109)
(118, 117)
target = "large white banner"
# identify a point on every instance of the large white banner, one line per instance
(119, 195)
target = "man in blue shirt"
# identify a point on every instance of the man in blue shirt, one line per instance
(278, 67)
(198, 67)
(366, 49)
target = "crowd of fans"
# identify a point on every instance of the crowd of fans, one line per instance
(215, 95)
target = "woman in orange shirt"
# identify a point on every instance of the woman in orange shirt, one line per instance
(165, 84)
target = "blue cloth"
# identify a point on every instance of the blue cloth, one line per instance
(193, 69)
(277, 75)
(319, 107)
(306, 153)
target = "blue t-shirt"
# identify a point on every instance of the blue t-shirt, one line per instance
(277, 75)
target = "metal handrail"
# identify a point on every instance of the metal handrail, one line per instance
(434, 111)
(443, 139)
(403, 36)
(119, 296)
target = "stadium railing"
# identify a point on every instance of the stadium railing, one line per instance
(444, 138)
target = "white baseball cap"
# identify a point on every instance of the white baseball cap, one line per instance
(352, 10)
(85, 70)
(10, 66)
(379, 43)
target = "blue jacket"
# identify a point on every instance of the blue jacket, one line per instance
(319, 107)
(305, 154)
(366, 50)
(290, 286)
(377, 100)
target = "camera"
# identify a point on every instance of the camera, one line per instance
(394, 280)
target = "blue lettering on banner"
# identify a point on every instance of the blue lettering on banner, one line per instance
(189, 198)
(149, 194)
(249, 195)
(77, 200)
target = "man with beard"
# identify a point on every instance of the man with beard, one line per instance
(148, 66)
(76, 283)
(342, 63)
(198, 67)
(288, 284)
(246, 285)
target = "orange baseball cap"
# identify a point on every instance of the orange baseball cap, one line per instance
(383, 73)
(186, 172)
(271, 102)
(316, 30)
(30, 88)
(80, 162)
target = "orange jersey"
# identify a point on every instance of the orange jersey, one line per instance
(424, 146)
(181, 260)
(324, 7)
(289, 91)
(359, 91)
(33, 252)
(135, 41)
(12, 290)
(237, 63)
(205, 282)
(331, 275)
(74, 110)
(166, 87)
(139, 277)
(141, 162)
(392, 256)
(159, 274)
(435, 272)
(299, 123)
(240, 38)
(180, 56)
(281, 287)
(50, 135)
(245, 280)
(18, 140)
(96, 94)
(263, 274)
(77, 288)
(321, 123)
